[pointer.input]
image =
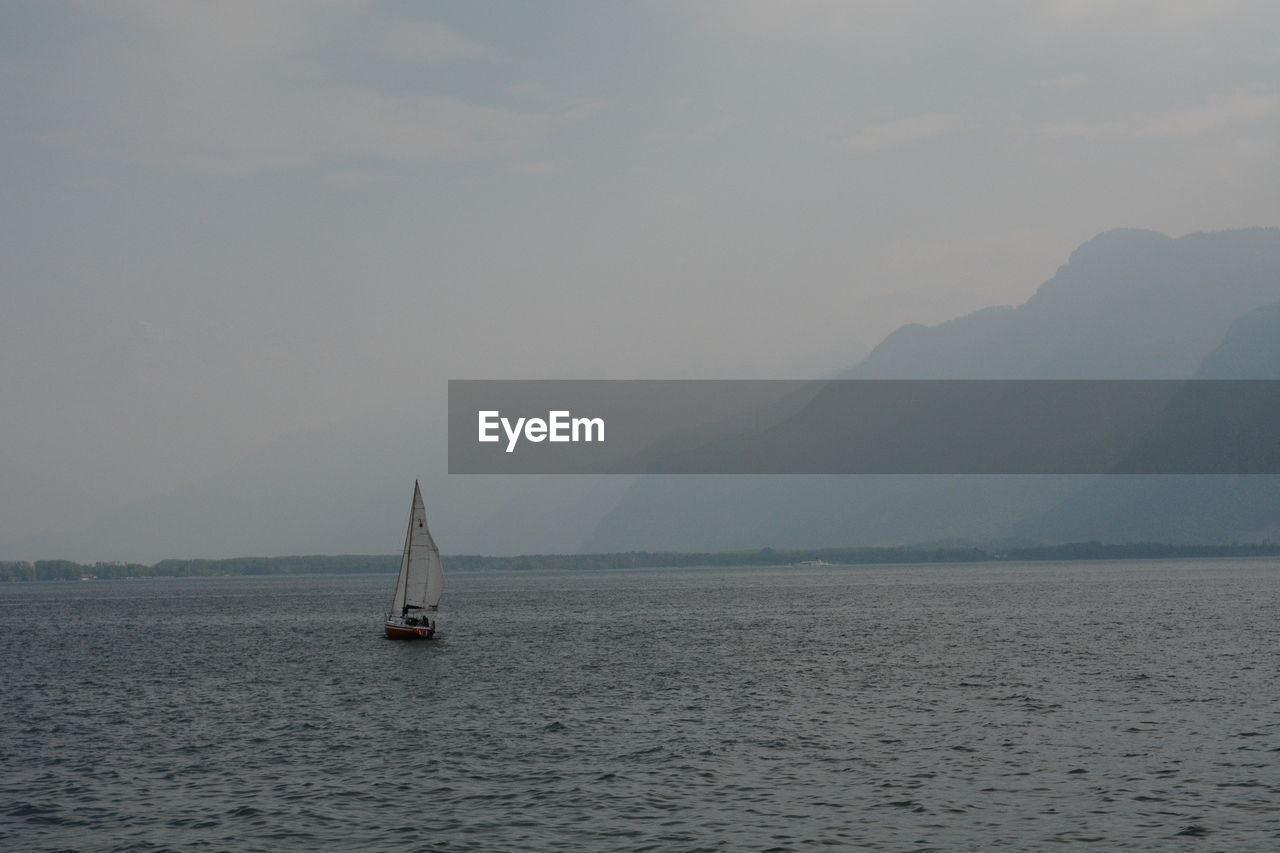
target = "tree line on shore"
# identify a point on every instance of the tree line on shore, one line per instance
(66, 570)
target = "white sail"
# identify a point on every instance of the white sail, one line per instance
(421, 579)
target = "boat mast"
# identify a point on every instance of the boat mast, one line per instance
(402, 582)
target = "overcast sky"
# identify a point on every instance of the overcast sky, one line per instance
(227, 221)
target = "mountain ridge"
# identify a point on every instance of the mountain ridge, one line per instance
(1128, 304)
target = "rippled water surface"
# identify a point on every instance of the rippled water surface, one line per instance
(1075, 706)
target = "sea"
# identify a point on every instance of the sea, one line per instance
(1068, 706)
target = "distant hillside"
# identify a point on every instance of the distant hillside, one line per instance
(1127, 305)
(65, 570)
(1199, 509)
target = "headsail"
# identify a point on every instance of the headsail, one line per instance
(421, 580)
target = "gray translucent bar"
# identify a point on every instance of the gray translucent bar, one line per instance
(864, 427)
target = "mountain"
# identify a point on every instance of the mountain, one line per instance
(1127, 305)
(1184, 509)
(1251, 349)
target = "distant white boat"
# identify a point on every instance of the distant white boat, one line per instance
(421, 580)
(812, 563)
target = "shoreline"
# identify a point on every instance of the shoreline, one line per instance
(322, 564)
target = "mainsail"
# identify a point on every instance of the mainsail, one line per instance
(421, 578)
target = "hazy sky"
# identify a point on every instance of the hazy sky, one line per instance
(227, 221)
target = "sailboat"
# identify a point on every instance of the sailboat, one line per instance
(420, 582)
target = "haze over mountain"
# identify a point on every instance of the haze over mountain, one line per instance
(248, 244)
(1128, 305)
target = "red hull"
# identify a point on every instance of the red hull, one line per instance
(399, 632)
